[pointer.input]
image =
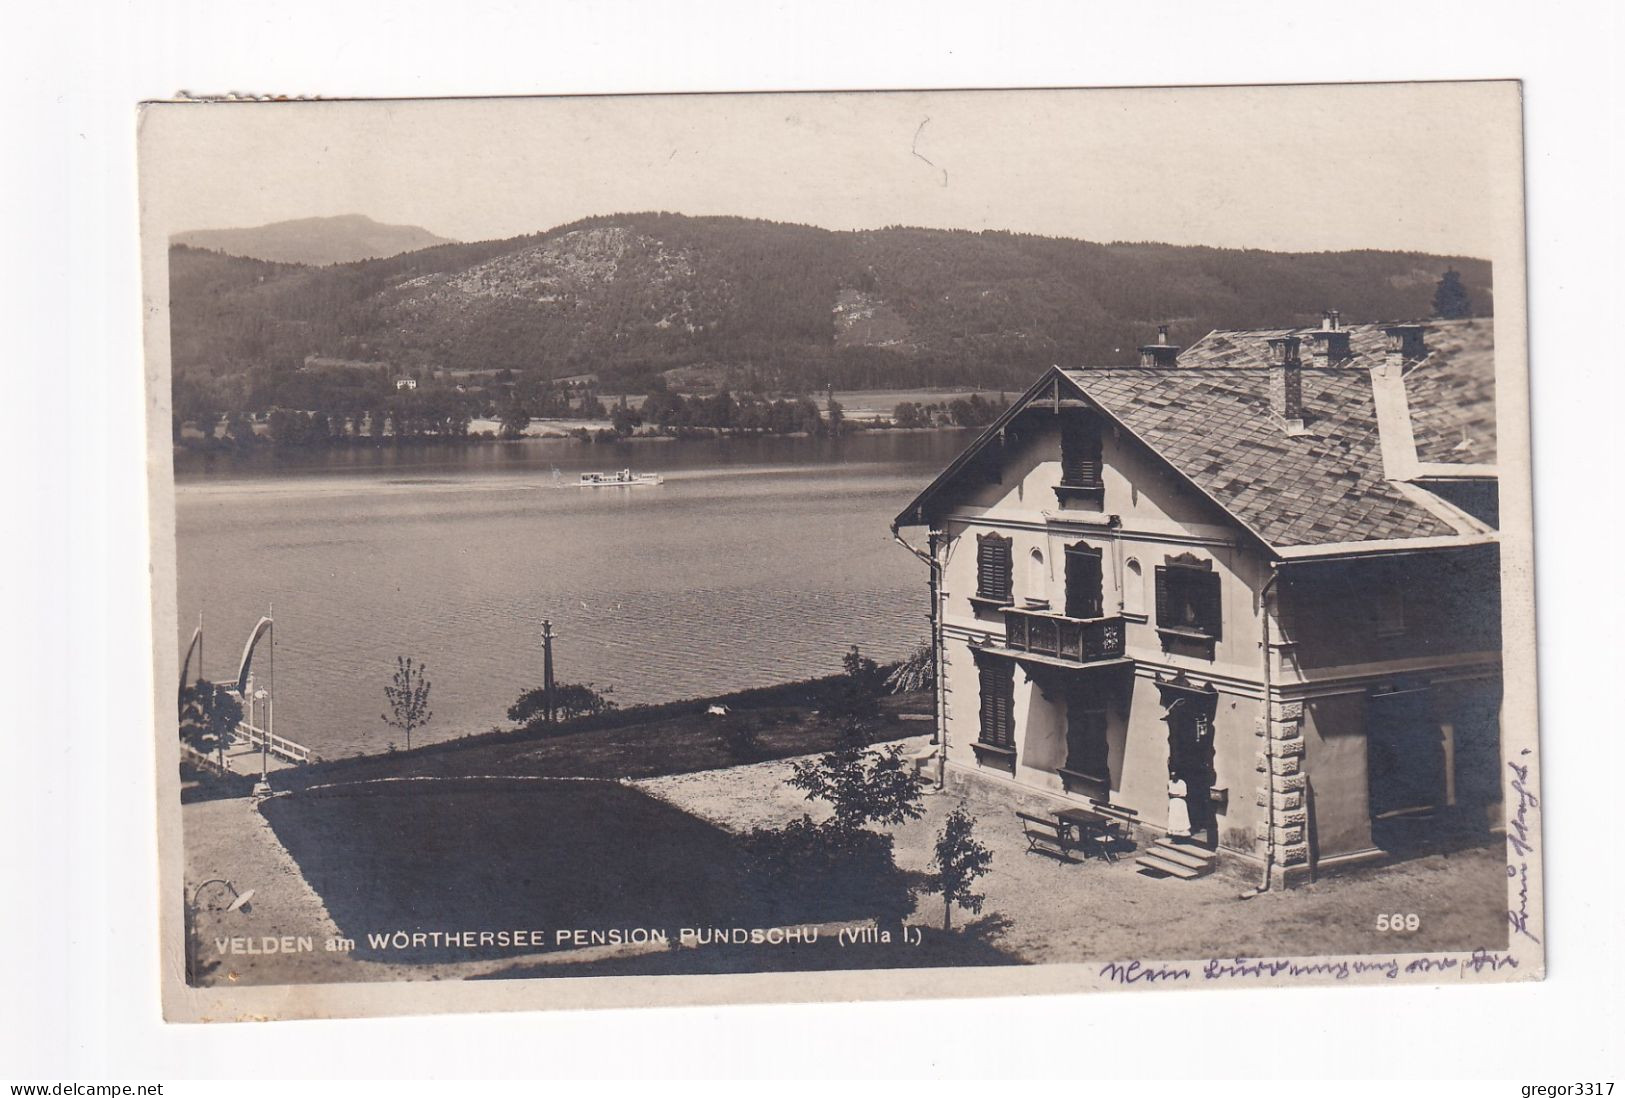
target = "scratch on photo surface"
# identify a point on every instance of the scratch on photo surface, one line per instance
(915, 149)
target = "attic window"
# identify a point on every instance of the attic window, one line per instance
(1080, 459)
(1188, 603)
(1080, 453)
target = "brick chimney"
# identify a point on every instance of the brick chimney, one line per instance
(1406, 343)
(1331, 340)
(1160, 353)
(1286, 381)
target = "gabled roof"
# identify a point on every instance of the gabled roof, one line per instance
(1250, 347)
(1451, 391)
(910, 514)
(1452, 394)
(1304, 491)
(1323, 486)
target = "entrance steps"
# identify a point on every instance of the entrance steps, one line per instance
(1177, 857)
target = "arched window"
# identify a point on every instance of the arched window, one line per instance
(1133, 588)
(1037, 578)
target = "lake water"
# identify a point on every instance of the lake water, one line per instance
(758, 561)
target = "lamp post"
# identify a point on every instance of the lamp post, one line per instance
(265, 734)
(239, 902)
(547, 671)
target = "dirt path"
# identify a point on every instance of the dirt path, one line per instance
(229, 839)
(1045, 911)
(1065, 913)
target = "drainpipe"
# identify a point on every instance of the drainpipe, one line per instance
(939, 730)
(1269, 759)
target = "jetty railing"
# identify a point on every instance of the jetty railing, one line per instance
(279, 746)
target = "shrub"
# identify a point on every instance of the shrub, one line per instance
(854, 697)
(918, 672)
(740, 737)
(571, 701)
(807, 869)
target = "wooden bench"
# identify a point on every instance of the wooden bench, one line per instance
(1046, 835)
(1122, 818)
(1122, 812)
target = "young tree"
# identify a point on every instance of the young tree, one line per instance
(958, 862)
(861, 670)
(1450, 299)
(208, 715)
(853, 700)
(862, 784)
(408, 697)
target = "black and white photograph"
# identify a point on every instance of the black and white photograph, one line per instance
(1038, 540)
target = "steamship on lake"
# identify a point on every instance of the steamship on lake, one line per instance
(625, 477)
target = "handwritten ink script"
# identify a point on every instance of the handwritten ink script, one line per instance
(1522, 847)
(1280, 969)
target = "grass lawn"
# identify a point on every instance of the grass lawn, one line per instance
(545, 832)
(677, 742)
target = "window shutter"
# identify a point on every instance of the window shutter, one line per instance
(998, 689)
(1080, 453)
(992, 566)
(1207, 593)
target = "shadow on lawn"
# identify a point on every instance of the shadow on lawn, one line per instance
(545, 856)
(206, 782)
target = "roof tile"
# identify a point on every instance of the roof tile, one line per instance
(1325, 485)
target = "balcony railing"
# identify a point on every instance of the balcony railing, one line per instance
(1078, 640)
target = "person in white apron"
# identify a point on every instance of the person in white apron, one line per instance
(1179, 811)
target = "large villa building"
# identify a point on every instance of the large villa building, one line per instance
(1258, 575)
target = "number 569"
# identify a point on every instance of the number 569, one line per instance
(1399, 922)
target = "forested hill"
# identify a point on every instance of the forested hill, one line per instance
(782, 306)
(314, 240)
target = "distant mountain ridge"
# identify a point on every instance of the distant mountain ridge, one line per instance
(314, 241)
(770, 305)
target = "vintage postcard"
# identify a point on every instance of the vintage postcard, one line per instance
(733, 548)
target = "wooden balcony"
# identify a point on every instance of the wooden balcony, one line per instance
(1072, 640)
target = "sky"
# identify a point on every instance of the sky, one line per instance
(1424, 167)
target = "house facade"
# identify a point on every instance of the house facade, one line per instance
(1258, 576)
